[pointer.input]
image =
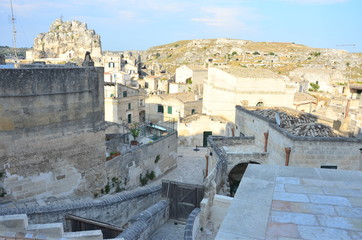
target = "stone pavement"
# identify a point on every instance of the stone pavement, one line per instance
(169, 231)
(276, 202)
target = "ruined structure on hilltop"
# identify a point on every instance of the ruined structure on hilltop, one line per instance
(68, 40)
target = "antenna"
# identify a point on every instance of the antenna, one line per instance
(14, 30)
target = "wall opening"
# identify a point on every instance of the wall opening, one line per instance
(235, 176)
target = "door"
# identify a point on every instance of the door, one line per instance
(206, 134)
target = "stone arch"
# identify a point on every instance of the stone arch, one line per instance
(260, 103)
(236, 174)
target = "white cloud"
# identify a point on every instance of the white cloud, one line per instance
(229, 18)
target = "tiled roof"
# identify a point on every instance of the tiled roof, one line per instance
(299, 124)
(303, 97)
(183, 97)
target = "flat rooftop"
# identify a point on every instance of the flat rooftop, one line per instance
(277, 202)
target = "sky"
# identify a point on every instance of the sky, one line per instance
(139, 25)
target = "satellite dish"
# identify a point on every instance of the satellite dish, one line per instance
(277, 119)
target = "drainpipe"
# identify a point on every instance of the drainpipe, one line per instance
(287, 155)
(347, 109)
(266, 135)
(207, 166)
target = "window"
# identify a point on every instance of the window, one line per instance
(124, 93)
(329, 166)
(146, 85)
(129, 106)
(159, 108)
(141, 103)
(169, 109)
(129, 118)
(111, 64)
(193, 111)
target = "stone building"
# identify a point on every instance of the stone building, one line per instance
(120, 67)
(172, 107)
(66, 41)
(51, 131)
(123, 104)
(230, 86)
(192, 76)
(292, 138)
(324, 78)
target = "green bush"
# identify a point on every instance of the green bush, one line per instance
(256, 53)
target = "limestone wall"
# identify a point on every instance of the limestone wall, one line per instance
(305, 151)
(131, 164)
(52, 139)
(115, 209)
(222, 91)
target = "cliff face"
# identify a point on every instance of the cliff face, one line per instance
(67, 40)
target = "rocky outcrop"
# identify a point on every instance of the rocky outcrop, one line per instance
(68, 40)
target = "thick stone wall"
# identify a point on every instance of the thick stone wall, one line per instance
(52, 140)
(138, 160)
(115, 209)
(147, 222)
(314, 152)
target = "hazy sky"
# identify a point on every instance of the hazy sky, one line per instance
(138, 25)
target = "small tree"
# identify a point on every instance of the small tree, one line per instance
(135, 130)
(314, 87)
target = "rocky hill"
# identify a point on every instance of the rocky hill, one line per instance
(67, 40)
(278, 57)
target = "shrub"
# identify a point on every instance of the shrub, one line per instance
(256, 53)
(157, 158)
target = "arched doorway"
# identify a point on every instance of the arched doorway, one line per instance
(235, 176)
(142, 116)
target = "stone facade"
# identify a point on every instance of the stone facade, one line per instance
(171, 107)
(131, 164)
(191, 129)
(311, 150)
(193, 75)
(230, 86)
(123, 104)
(52, 141)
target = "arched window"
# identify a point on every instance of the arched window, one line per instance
(260, 104)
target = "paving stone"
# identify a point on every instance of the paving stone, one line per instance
(279, 187)
(303, 189)
(355, 202)
(288, 180)
(332, 200)
(341, 222)
(262, 191)
(349, 212)
(222, 235)
(254, 219)
(276, 230)
(310, 208)
(291, 197)
(322, 233)
(343, 192)
(295, 218)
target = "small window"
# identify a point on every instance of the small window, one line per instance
(129, 117)
(159, 108)
(329, 166)
(141, 103)
(124, 93)
(111, 64)
(193, 111)
(129, 106)
(169, 109)
(146, 85)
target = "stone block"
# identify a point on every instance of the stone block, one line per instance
(332, 200)
(311, 232)
(14, 223)
(262, 191)
(290, 197)
(294, 218)
(49, 229)
(341, 222)
(84, 235)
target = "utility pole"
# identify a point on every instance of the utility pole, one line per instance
(14, 30)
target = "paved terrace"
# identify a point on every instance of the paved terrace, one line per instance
(276, 202)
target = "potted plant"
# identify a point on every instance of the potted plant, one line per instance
(135, 131)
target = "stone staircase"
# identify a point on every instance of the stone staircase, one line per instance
(16, 227)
